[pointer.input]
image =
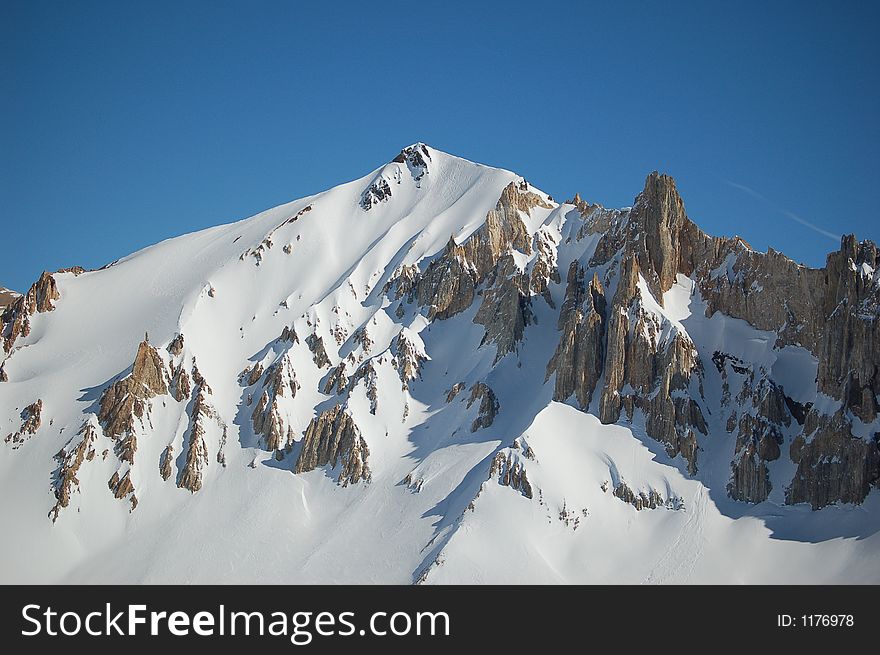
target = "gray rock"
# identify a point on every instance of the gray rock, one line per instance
(333, 439)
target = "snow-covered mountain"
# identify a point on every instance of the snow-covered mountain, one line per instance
(437, 373)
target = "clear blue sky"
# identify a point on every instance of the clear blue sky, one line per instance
(126, 123)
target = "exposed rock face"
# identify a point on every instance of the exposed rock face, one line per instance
(70, 459)
(181, 386)
(266, 244)
(15, 319)
(832, 312)
(404, 282)
(316, 345)
(149, 370)
(176, 345)
(337, 379)
(579, 356)
(196, 449)
(378, 191)
(511, 473)
(506, 308)
(660, 211)
(456, 389)
(650, 500)
(544, 269)
(253, 374)
(416, 158)
(489, 405)
(449, 283)
(657, 370)
(30, 423)
(849, 346)
(367, 373)
(447, 286)
(125, 399)
(166, 462)
(268, 419)
(289, 334)
(833, 465)
(333, 439)
(408, 359)
(759, 437)
(122, 486)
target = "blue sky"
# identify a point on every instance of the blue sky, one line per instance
(126, 123)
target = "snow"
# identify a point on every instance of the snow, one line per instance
(263, 524)
(508, 539)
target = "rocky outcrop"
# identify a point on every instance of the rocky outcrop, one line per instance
(456, 389)
(403, 282)
(505, 310)
(416, 158)
(378, 191)
(833, 465)
(449, 283)
(180, 386)
(510, 472)
(196, 448)
(266, 244)
(762, 423)
(367, 373)
(70, 458)
(361, 339)
(31, 419)
(674, 417)
(489, 406)
(848, 347)
(166, 461)
(253, 374)
(126, 400)
(659, 216)
(15, 319)
(578, 359)
(650, 500)
(289, 334)
(337, 380)
(650, 365)
(319, 355)
(175, 347)
(332, 439)
(408, 358)
(122, 487)
(268, 418)
(832, 312)
(544, 268)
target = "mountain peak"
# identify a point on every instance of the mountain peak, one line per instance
(415, 154)
(466, 370)
(660, 184)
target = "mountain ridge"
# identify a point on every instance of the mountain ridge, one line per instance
(316, 339)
